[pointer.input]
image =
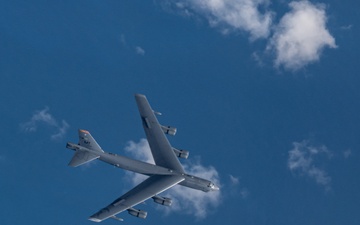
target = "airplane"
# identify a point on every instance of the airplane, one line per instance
(164, 174)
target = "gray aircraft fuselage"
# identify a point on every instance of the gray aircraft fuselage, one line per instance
(148, 169)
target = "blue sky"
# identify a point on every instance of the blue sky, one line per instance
(264, 95)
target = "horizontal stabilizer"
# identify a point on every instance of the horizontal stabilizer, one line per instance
(80, 157)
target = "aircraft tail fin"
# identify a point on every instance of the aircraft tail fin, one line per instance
(87, 141)
(82, 155)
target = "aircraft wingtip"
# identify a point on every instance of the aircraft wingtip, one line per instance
(94, 219)
(139, 95)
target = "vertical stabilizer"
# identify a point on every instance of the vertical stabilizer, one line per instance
(87, 151)
(87, 141)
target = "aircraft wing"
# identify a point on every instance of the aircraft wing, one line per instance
(160, 147)
(145, 190)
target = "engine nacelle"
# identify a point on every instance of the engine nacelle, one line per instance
(137, 213)
(169, 130)
(72, 146)
(181, 153)
(162, 200)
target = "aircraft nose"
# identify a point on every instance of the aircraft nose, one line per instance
(215, 188)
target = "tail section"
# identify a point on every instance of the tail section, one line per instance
(87, 141)
(82, 157)
(86, 150)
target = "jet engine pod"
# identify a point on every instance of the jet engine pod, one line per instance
(72, 146)
(181, 153)
(137, 213)
(169, 130)
(162, 200)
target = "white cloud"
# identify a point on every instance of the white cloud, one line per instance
(139, 50)
(301, 35)
(44, 117)
(194, 202)
(140, 151)
(243, 15)
(347, 153)
(234, 180)
(123, 40)
(236, 189)
(128, 46)
(61, 130)
(348, 27)
(185, 200)
(39, 116)
(244, 193)
(298, 39)
(302, 161)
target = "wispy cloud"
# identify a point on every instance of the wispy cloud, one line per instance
(298, 39)
(45, 118)
(123, 40)
(2, 158)
(348, 27)
(232, 15)
(347, 153)
(61, 130)
(234, 180)
(185, 200)
(127, 45)
(235, 189)
(139, 50)
(301, 35)
(302, 161)
(194, 202)
(140, 150)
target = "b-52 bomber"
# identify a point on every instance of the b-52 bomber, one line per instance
(164, 174)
